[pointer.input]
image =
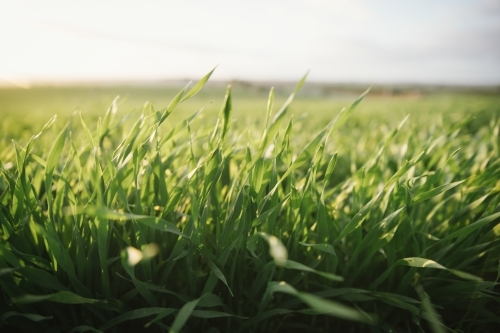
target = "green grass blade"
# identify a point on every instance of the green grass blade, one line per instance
(31, 316)
(467, 230)
(183, 316)
(134, 314)
(65, 297)
(322, 305)
(290, 264)
(419, 197)
(197, 87)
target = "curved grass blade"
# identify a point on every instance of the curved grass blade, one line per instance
(213, 314)
(173, 104)
(290, 264)
(197, 87)
(467, 230)
(150, 221)
(135, 314)
(84, 328)
(423, 263)
(321, 247)
(65, 297)
(324, 306)
(226, 111)
(211, 260)
(31, 316)
(183, 315)
(419, 197)
(426, 263)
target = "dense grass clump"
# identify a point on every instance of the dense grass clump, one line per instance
(119, 226)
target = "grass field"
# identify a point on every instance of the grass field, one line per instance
(258, 214)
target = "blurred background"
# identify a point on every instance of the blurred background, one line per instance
(60, 56)
(438, 42)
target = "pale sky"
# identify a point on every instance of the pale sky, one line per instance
(383, 41)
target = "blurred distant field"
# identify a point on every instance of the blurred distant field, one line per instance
(430, 110)
(25, 110)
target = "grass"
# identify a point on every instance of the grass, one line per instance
(358, 220)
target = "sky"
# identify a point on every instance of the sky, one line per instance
(364, 41)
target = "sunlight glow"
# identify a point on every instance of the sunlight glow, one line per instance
(354, 41)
